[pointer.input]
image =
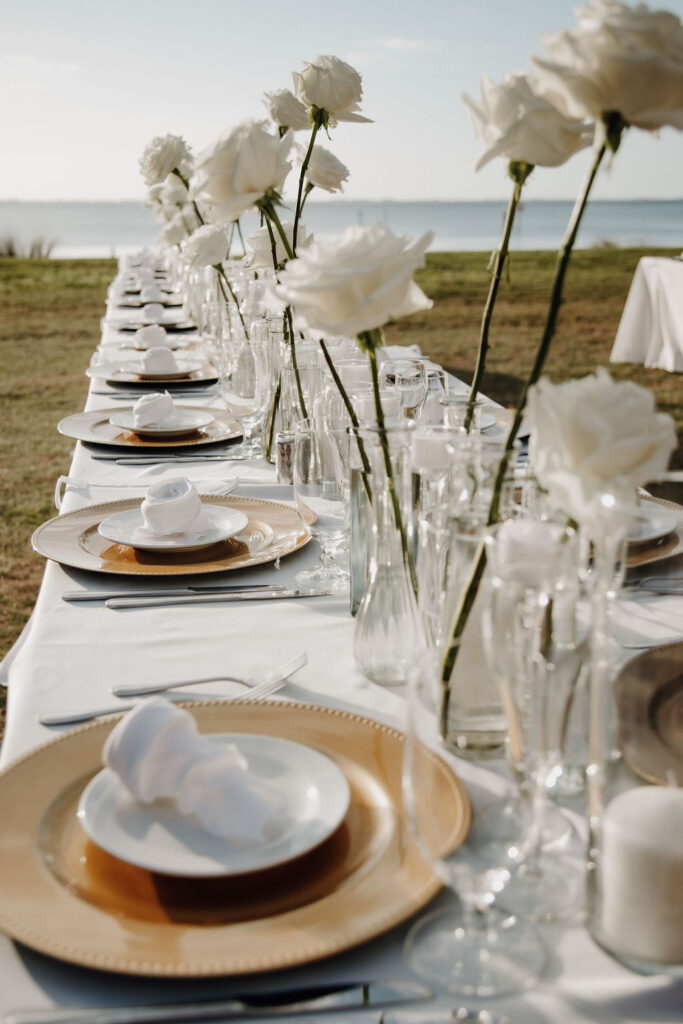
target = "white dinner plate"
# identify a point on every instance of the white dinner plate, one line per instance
(184, 367)
(652, 523)
(184, 421)
(156, 837)
(170, 343)
(128, 528)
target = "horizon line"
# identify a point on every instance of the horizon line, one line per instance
(346, 200)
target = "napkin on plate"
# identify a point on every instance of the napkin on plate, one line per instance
(153, 312)
(153, 409)
(151, 293)
(157, 752)
(173, 506)
(152, 336)
(159, 360)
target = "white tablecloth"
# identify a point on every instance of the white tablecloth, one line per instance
(651, 328)
(74, 653)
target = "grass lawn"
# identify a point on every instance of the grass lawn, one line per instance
(50, 326)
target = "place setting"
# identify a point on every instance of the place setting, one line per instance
(228, 838)
(173, 531)
(157, 365)
(153, 422)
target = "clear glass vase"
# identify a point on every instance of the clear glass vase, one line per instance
(389, 635)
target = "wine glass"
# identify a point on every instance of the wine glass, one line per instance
(474, 950)
(534, 648)
(409, 378)
(320, 498)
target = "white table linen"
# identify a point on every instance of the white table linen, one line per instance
(74, 653)
(651, 328)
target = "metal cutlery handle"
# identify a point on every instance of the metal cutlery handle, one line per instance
(77, 596)
(277, 675)
(159, 602)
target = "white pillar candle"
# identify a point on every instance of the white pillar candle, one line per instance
(642, 874)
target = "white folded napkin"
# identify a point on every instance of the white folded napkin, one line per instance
(154, 408)
(152, 336)
(157, 753)
(398, 352)
(173, 506)
(153, 312)
(159, 360)
(151, 293)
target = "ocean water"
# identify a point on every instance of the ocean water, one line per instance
(95, 229)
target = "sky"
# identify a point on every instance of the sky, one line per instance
(87, 83)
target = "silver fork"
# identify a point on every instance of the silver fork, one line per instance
(264, 689)
(216, 488)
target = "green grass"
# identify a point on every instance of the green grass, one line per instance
(50, 326)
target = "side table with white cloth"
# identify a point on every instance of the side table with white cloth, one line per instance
(74, 653)
(651, 328)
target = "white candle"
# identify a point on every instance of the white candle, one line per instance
(642, 874)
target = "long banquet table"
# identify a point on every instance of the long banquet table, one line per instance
(72, 654)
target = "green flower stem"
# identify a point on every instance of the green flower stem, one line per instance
(369, 343)
(519, 173)
(295, 365)
(271, 214)
(307, 191)
(273, 412)
(186, 183)
(223, 283)
(352, 415)
(272, 218)
(239, 235)
(302, 176)
(470, 592)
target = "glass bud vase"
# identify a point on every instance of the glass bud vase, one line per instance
(635, 852)
(388, 633)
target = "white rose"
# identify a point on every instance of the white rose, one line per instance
(355, 282)
(181, 224)
(286, 110)
(259, 249)
(332, 85)
(515, 122)
(206, 246)
(596, 436)
(163, 155)
(622, 59)
(324, 170)
(172, 192)
(240, 168)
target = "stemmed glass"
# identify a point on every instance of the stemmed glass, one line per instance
(319, 493)
(474, 950)
(409, 378)
(534, 648)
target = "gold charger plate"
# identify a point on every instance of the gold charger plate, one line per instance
(65, 897)
(649, 693)
(95, 428)
(646, 552)
(273, 530)
(207, 375)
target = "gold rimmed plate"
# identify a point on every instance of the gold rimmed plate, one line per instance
(649, 692)
(273, 530)
(95, 427)
(66, 897)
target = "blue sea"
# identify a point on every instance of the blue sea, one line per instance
(96, 229)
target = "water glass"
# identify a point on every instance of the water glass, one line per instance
(409, 378)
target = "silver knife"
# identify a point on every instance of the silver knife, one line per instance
(158, 602)
(75, 596)
(365, 996)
